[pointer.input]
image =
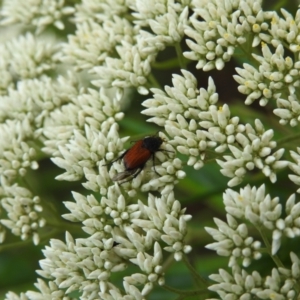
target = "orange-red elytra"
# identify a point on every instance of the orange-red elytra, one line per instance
(136, 157)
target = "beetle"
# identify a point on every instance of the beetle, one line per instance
(136, 157)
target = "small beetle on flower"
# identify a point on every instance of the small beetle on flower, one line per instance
(136, 157)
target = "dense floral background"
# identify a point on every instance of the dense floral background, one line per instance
(218, 217)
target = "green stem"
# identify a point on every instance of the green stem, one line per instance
(180, 57)
(21, 244)
(152, 82)
(58, 227)
(275, 258)
(198, 279)
(279, 4)
(45, 237)
(248, 51)
(168, 262)
(288, 139)
(24, 182)
(166, 64)
(64, 226)
(185, 293)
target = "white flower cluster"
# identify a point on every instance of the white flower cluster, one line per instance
(260, 210)
(6, 78)
(78, 128)
(174, 107)
(93, 42)
(253, 205)
(295, 167)
(86, 264)
(242, 285)
(195, 125)
(275, 73)
(284, 30)
(288, 110)
(130, 69)
(120, 52)
(117, 42)
(160, 217)
(40, 13)
(16, 156)
(217, 27)
(23, 211)
(24, 109)
(31, 57)
(224, 25)
(233, 240)
(73, 136)
(277, 76)
(166, 19)
(82, 138)
(256, 152)
(33, 101)
(14, 296)
(25, 57)
(99, 11)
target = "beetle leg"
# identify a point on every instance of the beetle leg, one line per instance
(153, 161)
(139, 171)
(118, 158)
(134, 175)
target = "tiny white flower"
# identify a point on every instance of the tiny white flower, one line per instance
(39, 13)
